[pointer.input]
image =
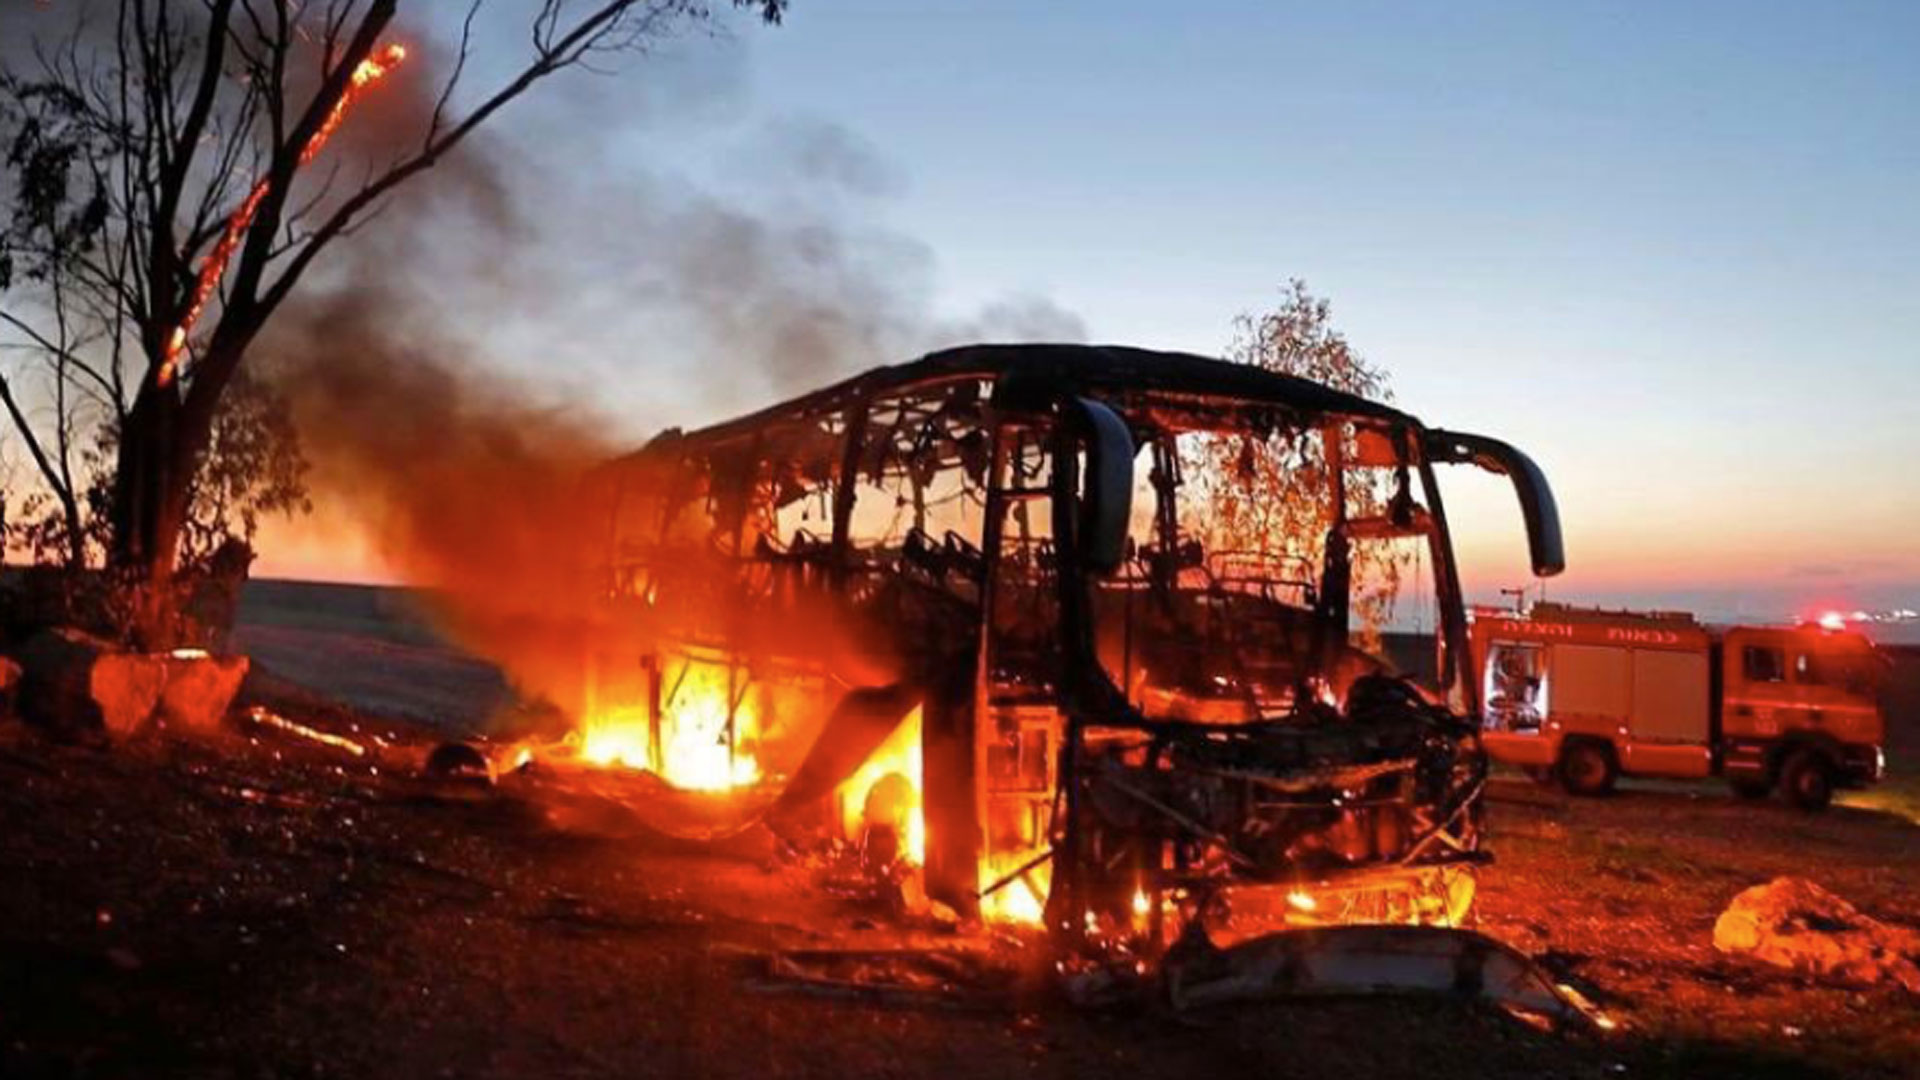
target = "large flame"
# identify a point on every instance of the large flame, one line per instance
(368, 72)
(887, 790)
(1021, 900)
(708, 732)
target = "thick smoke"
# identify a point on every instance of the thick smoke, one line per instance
(457, 368)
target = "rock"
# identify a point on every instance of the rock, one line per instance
(198, 690)
(75, 683)
(1792, 923)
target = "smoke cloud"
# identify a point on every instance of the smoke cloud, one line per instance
(458, 367)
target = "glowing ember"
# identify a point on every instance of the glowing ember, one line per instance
(268, 718)
(369, 71)
(1302, 901)
(706, 734)
(886, 791)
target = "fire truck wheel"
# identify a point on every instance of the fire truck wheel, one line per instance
(1807, 780)
(1752, 788)
(1588, 768)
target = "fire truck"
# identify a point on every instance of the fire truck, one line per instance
(1583, 696)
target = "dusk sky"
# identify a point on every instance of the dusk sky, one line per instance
(1674, 254)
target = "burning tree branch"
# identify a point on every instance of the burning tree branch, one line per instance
(175, 145)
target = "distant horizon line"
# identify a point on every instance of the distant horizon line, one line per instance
(1494, 598)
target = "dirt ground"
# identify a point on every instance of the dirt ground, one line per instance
(255, 904)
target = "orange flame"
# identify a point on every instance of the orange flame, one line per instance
(888, 790)
(699, 750)
(366, 73)
(1022, 900)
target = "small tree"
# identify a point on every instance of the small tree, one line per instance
(163, 209)
(1270, 494)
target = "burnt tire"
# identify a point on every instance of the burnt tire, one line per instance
(1807, 780)
(1588, 768)
(1754, 788)
(458, 761)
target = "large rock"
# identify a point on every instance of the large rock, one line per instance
(199, 688)
(75, 683)
(1793, 923)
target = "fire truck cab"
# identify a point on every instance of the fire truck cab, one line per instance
(1584, 696)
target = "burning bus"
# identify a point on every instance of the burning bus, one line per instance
(966, 614)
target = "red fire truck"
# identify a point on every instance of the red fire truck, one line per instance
(1583, 696)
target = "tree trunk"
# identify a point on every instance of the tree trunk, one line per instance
(161, 443)
(76, 531)
(149, 503)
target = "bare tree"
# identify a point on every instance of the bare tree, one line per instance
(165, 208)
(55, 215)
(1270, 495)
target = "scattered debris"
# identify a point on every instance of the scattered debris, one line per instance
(1792, 923)
(946, 978)
(1339, 960)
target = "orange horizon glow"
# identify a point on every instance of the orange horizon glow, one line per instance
(333, 546)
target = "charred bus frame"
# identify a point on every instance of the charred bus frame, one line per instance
(1034, 756)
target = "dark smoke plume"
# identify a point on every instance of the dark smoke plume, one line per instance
(458, 367)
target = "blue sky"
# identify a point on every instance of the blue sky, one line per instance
(1673, 250)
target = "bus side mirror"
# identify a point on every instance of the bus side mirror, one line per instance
(1106, 506)
(1544, 545)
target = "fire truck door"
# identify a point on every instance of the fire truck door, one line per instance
(1592, 688)
(1668, 731)
(1670, 697)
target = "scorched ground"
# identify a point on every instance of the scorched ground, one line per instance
(267, 905)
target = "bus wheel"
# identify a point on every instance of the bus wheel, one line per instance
(1751, 787)
(1807, 780)
(1588, 768)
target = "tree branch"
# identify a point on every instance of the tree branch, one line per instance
(41, 460)
(554, 54)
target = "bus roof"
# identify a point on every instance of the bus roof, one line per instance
(1092, 368)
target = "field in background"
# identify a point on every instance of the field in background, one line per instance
(371, 647)
(375, 648)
